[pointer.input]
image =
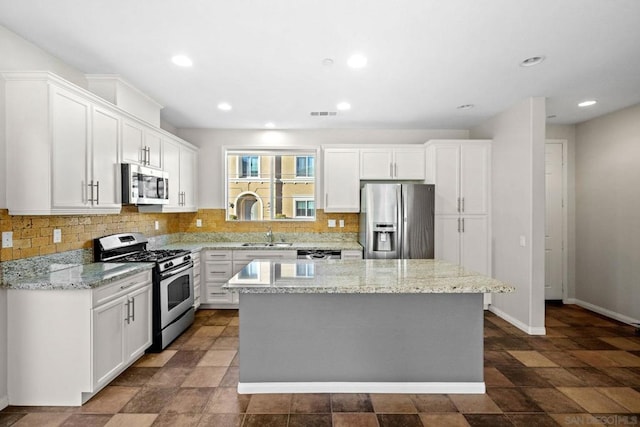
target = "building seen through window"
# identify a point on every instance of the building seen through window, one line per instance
(264, 185)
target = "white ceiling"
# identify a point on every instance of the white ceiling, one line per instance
(426, 57)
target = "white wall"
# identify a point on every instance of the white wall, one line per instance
(518, 198)
(210, 141)
(608, 214)
(17, 54)
(568, 133)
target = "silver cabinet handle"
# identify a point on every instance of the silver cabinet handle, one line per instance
(326, 200)
(391, 169)
(463, 225)
(97, 192)
(127, 319)
(90, 197)
(458, 225)
(463, 205)
(133, 309)
(395, 170)
(458, 204)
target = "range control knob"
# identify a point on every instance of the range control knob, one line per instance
(187, 257)
(169, 264)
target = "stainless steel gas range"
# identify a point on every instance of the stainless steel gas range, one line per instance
(173, 297)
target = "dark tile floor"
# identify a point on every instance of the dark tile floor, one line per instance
(585, 371)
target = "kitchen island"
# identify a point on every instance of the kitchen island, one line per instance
(361, 326)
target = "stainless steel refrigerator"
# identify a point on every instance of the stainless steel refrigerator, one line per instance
(396, 220)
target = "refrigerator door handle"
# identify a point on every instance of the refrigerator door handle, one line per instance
(402, 221)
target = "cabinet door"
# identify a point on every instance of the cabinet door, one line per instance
(132, 142)
(138, 329)
(447, 238)
(108, 341)
(474, 244)
(70, 125)
(172, 167)
(188, 178)
(153, 144)
(341, 180)
(409, 163)
(105, 144)
(376, 163)
(447, 178)
(474, 178)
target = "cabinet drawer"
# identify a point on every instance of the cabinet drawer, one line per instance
(215, 294)
(218, 271)
(216, 256)
(106, 293)
(265, 254)
(351, 254)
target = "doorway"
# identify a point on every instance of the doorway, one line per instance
(555, 220)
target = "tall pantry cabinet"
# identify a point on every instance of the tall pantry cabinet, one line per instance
(461, 172)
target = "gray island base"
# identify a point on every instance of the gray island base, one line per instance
(369, 326)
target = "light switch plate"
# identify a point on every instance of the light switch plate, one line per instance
(198, 223)
(523, 241)
(57, 235)
(341, 223)
(7, 239)
(331, 223)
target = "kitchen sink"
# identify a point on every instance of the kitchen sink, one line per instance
(266, 245)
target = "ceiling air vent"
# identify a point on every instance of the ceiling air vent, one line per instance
(323, 113)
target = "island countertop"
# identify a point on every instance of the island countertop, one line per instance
(369, 276)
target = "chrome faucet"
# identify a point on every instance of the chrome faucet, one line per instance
(269, 235)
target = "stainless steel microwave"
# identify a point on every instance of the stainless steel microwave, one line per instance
(144, 186)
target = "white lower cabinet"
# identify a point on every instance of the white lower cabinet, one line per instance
(66, 345)
(220, 266)
(196, 279)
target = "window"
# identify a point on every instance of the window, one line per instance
(265, 185)
(304, 208)
(305, 166)
(250, 167)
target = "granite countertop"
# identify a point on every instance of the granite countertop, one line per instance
(369, 276)
(195, 246)
(78, 276)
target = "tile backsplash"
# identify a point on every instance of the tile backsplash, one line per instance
(33, 235)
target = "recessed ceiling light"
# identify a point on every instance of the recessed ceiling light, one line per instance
(269, 125)
(551, 116)
(343, 106)
(327, 62)
(588, 103)
(465, 107)
(530, 62)
(357, 61)
(224, 106)
(182, 61)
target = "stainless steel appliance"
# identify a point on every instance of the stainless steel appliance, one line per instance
(144, 186)
(173, 297)
(319, 254)
(396, 220)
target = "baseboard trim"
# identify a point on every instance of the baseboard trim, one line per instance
(4, 402)
(364, 387)
(518, 324)
(604, 311)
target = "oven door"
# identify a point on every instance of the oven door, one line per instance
(176, 294)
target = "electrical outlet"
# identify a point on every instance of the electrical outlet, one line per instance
(341, 223)
(198, 223)
(57, 235)
(7, 239)
(331, 223)
(156, 225)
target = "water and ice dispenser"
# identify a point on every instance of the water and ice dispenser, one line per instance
(384, 237)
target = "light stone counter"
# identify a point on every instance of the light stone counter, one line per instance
(73, 276)
(195, 246)
(370, 276)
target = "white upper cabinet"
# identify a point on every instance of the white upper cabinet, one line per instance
(406, 163)
(180, 161)
(460, 171)
(341, 178)
(62, 148)
(141, 145)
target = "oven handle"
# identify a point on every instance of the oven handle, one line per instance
(174, 272)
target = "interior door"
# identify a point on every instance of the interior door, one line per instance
(554, 232)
